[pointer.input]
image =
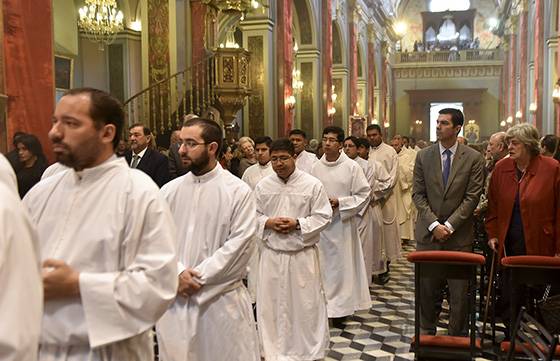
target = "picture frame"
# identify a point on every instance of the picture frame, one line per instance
(357, 126)
(63, 72)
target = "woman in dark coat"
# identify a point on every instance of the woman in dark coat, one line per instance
(32, 160)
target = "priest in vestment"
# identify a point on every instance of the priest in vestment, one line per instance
(403, 188)
(370, 226)
(293, 208)
(386, 155)
(304, 159)
(215, 213)
(106, 239)
(342, 261)
(21, 301)
(252, 176)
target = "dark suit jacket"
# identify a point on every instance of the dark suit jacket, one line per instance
(539, 195)
(456, 202)
(154, 164)
(176, 167)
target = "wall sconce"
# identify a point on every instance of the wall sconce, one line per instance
(290, 102)
(386, 124)
(472, 121)
(418, 122)
(533, 108)
(333, 95)
(503, 123)
(518, 115)
(331, 111)
(509, 120)
(297, 84)
(556, 92)
(374, 121)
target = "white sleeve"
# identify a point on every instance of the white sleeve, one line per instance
(122, 304)
(350, 206)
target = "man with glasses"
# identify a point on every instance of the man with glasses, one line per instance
(215, 213)
(342, 261)
(292, 209)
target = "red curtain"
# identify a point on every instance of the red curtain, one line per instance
(28, 50)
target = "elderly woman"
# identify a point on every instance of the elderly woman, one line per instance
(247, 154)
(524, 198)
(523, 216)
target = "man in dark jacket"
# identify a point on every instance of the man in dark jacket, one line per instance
(144, 158)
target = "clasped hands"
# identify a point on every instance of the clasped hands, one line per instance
(441, 232)
(59, 280)
(188, 283)
(281, 224)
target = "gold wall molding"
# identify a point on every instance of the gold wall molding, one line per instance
(448, 72)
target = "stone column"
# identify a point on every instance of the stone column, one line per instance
(523, 69)
(326, 21)
(539, 60)
(512, 74)
(28, 67)
(261, 106)
(371, 72)
(353, 56)
(284, 54)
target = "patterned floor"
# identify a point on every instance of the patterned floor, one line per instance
(385, 331)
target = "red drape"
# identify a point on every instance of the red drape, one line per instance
(28, 50)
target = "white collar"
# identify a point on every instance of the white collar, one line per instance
(453, 149)
(141, 154)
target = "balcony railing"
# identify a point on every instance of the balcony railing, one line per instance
(470, 55)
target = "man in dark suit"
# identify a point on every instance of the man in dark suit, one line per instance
(448, 180)
(144, 158)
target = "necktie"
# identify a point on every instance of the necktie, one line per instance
(135, 159)
(446, 166)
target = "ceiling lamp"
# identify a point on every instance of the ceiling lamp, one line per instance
(101, 20)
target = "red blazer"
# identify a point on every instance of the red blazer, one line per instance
(539, 193)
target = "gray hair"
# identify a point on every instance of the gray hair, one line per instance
(526, 134)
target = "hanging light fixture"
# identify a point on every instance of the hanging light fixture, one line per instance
(101, 20)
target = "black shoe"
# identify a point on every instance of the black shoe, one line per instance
(382, 279)
(338, 322)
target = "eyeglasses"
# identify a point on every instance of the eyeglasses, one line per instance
(279, 159)
(330, 140)
(191, 143)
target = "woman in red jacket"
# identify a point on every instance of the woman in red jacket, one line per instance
(523, 216)
(524, 199)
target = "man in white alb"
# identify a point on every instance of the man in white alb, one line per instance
(342, 260)
(304, 159)
(263, 167)
(406, 212)
(293, 208)
(215, 213)
(106, 237)
(370, 225)
(21, 302)
(386, 155)
(252, 176)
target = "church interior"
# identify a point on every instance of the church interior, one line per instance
(266, 67)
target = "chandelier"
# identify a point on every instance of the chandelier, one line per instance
(101, 21)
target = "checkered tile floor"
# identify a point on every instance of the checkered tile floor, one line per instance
(385, 331)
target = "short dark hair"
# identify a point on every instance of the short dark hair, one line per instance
(405, 137)
(282, 144)
(104, 109)
(33, 144)
(263, 140)
(374, 127)
(298, 132)
(211, 131)
(363, 142)
(551, 143)
(336, 130)
(457, 117)
(145, 129)
(353, 139)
